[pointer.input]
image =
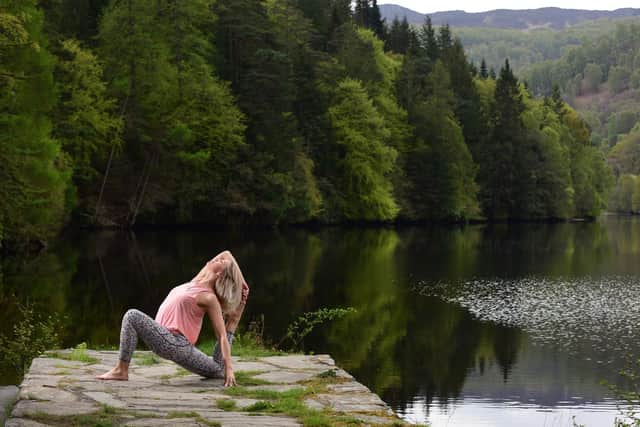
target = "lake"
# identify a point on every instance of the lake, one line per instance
(484, 325)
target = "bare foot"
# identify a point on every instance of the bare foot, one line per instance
(114, 374)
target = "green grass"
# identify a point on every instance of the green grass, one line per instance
(147, 359)
(246, 378)
(291, 402)
(226, 404)
(110, 417)
(105, 417)
(195, 415)
(182, 414)
(78, 354)
(247, 346)
(331, 373)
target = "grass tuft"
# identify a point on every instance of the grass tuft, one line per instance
(226, 404)
(246, 378)
(78, 354)
(147, 359)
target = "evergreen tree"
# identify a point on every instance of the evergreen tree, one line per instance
(484, 74)
(400, 36)
(376, 22)
(445, 40)
(362, 13)
(429, 41)
(34, 177)
(439, 166)
(497, 158)
(340, 14)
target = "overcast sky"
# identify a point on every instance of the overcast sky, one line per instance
(480, 6)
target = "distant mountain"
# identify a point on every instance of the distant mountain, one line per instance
(390, 11)
(548, 17)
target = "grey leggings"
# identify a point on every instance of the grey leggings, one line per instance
(171, 346)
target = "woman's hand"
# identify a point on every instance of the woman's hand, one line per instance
(229, 378)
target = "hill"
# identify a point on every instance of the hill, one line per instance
(548, 17)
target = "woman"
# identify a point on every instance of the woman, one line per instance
(218, 288)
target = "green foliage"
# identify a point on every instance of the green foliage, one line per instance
(303, 325)
(147, 359)
(626, 195)
(226, 404)
(32, 335)
(251, 111)
(85, 120)
(78, 354)
(182, 130)
(630, 414)
(34, 174)
(363, 187)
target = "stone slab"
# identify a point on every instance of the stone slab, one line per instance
(21, 422)
(8, 396)
(155, 392)
(24, 408)
(316, 363)
(286, 377)
(105, 399)
(47, 393)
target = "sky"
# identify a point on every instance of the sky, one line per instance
(423, 6)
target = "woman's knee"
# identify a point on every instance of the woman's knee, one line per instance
(131, 315)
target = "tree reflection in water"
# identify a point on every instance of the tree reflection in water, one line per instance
(401, 344)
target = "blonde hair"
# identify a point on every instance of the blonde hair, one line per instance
(227, 287)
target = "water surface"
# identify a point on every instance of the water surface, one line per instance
(480, 325)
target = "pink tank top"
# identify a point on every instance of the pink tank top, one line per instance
(179, 311)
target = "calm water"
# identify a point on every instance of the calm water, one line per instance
(480, 325)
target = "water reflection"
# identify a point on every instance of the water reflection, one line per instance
(421, 353)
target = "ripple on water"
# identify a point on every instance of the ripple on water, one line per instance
(600, 312)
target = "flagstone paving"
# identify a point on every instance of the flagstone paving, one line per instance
(56, 392)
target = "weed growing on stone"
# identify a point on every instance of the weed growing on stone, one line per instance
(331, 373)
(78, 354)
(246, 378)
(105, 417)
(247, 346)
(226, 404)
(199, 418)
(147, 359)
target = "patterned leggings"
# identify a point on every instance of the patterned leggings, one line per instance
(171, 346)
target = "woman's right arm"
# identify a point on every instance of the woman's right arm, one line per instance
(217, 322)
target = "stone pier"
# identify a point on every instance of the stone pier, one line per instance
(288, 390)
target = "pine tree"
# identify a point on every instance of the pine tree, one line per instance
(484, 74)
(362, 13)
(429, 41)
(498, 162)
(445, 40)
(376, 22)
(439, 166)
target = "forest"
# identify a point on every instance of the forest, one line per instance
(129, 113)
